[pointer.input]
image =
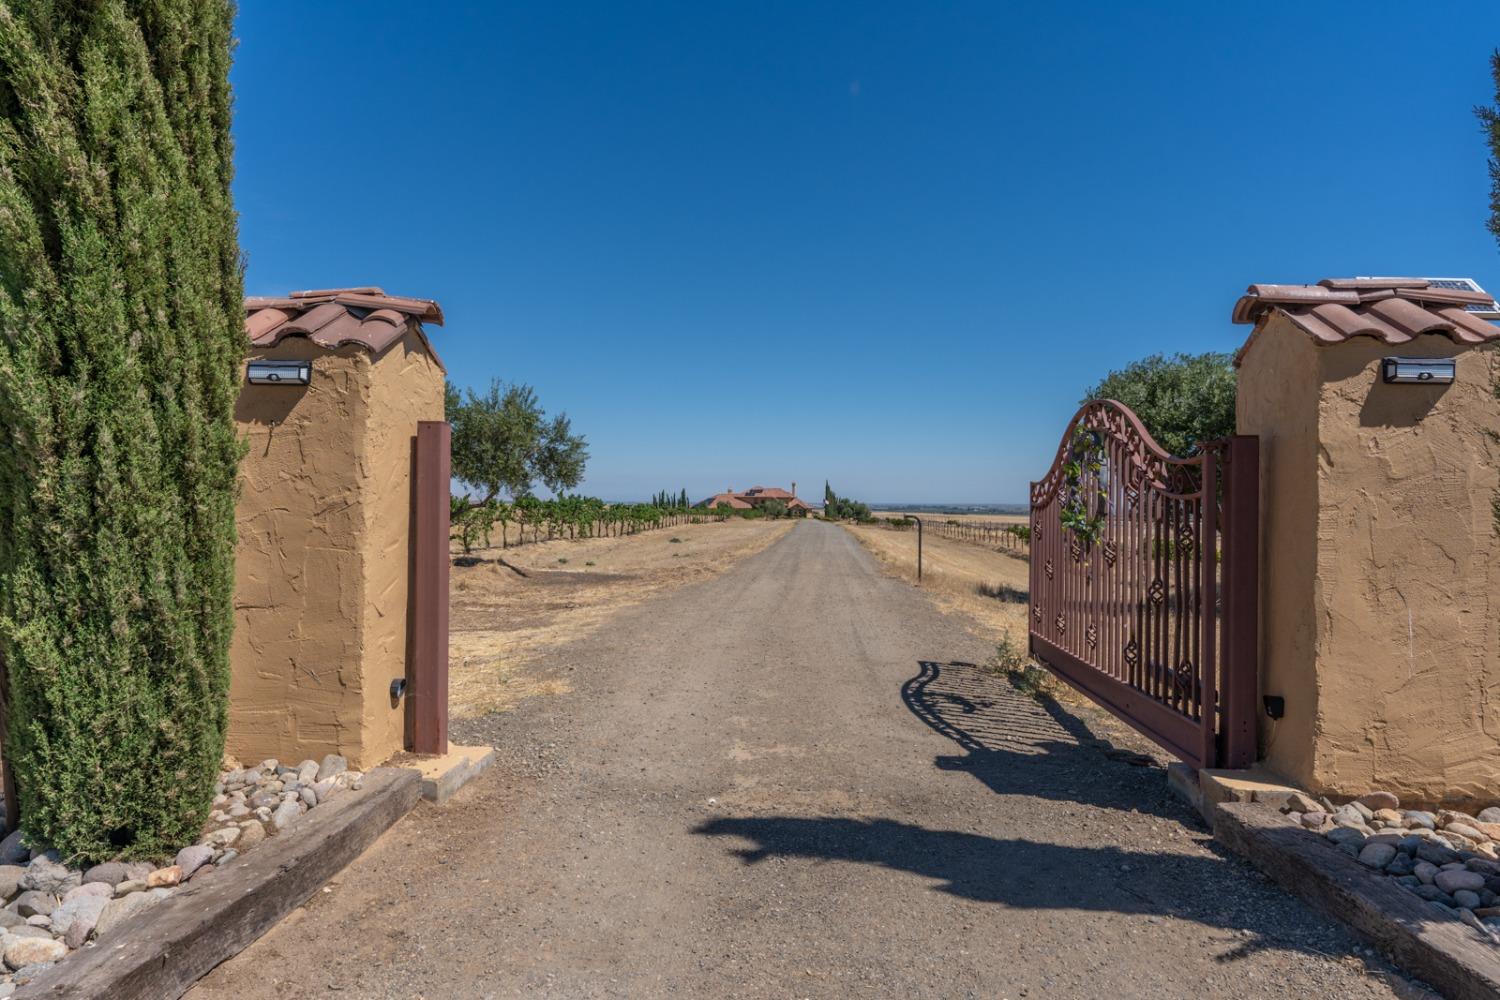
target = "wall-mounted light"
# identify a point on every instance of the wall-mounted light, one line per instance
(1432, 371)
(280, 372)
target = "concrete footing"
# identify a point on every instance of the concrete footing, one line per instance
(445, 775)
(1210, 787)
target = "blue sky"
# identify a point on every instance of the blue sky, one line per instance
(883, 244)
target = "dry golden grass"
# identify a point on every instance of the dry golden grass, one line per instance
(986, 585)
(976, 518)
(518, 601)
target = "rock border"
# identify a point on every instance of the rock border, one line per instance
(1445, 953)
(208, 922)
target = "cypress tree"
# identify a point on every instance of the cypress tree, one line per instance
(121, 334)
(1489, 120)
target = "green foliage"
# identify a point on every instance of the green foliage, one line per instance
(1489, 120)
(774, 508)
(121, 337)
(504, 443)
(1084, 500)
(566, 516)
(837, 508)
(1182, 400)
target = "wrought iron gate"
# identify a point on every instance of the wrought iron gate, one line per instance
(1143, 582)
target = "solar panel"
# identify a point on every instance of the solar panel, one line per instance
(1490, 311)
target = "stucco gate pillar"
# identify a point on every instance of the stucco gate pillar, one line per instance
(325, 611)
(1380, 566)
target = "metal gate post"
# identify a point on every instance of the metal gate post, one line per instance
(1241, 575)
(429, 667)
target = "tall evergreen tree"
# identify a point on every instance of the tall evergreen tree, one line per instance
(121, 334)
(1489, 119)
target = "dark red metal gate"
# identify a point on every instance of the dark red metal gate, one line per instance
(1145, 599)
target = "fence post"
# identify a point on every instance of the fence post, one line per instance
(429, 668)
(1241, 575)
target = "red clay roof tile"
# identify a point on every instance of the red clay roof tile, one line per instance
(1395, 310)
(333, 317)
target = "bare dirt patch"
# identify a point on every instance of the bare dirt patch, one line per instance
(510, 604)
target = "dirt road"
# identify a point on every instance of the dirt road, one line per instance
(783, 782)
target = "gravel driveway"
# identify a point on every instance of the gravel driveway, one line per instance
(790, 781)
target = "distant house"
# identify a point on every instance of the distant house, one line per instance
(758, 496)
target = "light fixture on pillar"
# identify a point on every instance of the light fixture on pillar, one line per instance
(1418, 371)
(279, 372)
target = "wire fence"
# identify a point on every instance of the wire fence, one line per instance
(1007, 536)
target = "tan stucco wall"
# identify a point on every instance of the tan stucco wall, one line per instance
(405, 387)
(321, 565)
(1277, 400)
(1379, 568)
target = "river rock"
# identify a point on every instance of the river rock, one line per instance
(1438, 854)
(1379, 800)
(31, 902)
(101, 889)
(21, 952)
(307, 772)
(1433, 894)
(13, 849)
(1454, 879)
(130, 885)
(1490, 815)
(10, 880)
(25, 930)
(1464, 830)
(1343, 835)
(285, 815)
(1313, 820)
(190, 859)
(74, 921)
(1419, 818)
(10, 918)
(171, 875)
(1466, 899)
(1377, 855)
(251, 834)
(1400, 865)
(46, 874)
(332, 766)
(121, 909)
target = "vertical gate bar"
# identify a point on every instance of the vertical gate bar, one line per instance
(1033, 585)
(1208, 550)
(429, 680)
(1241, 600)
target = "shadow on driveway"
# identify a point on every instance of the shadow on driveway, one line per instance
(1020, 747)
(1017, 744)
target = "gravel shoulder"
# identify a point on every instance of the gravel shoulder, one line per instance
(791, 779)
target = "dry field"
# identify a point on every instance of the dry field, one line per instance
(937, 518)
(518, 601)
(976, 580)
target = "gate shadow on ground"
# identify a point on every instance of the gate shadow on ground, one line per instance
(1017, 744)
(1035, 875)
(1020, 746)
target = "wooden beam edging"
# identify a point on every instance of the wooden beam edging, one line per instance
(1446, 954)
(167, 948)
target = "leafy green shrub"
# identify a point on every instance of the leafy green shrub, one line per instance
(121, 339)
(1182, 400)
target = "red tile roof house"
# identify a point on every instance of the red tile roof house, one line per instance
(758, 496)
